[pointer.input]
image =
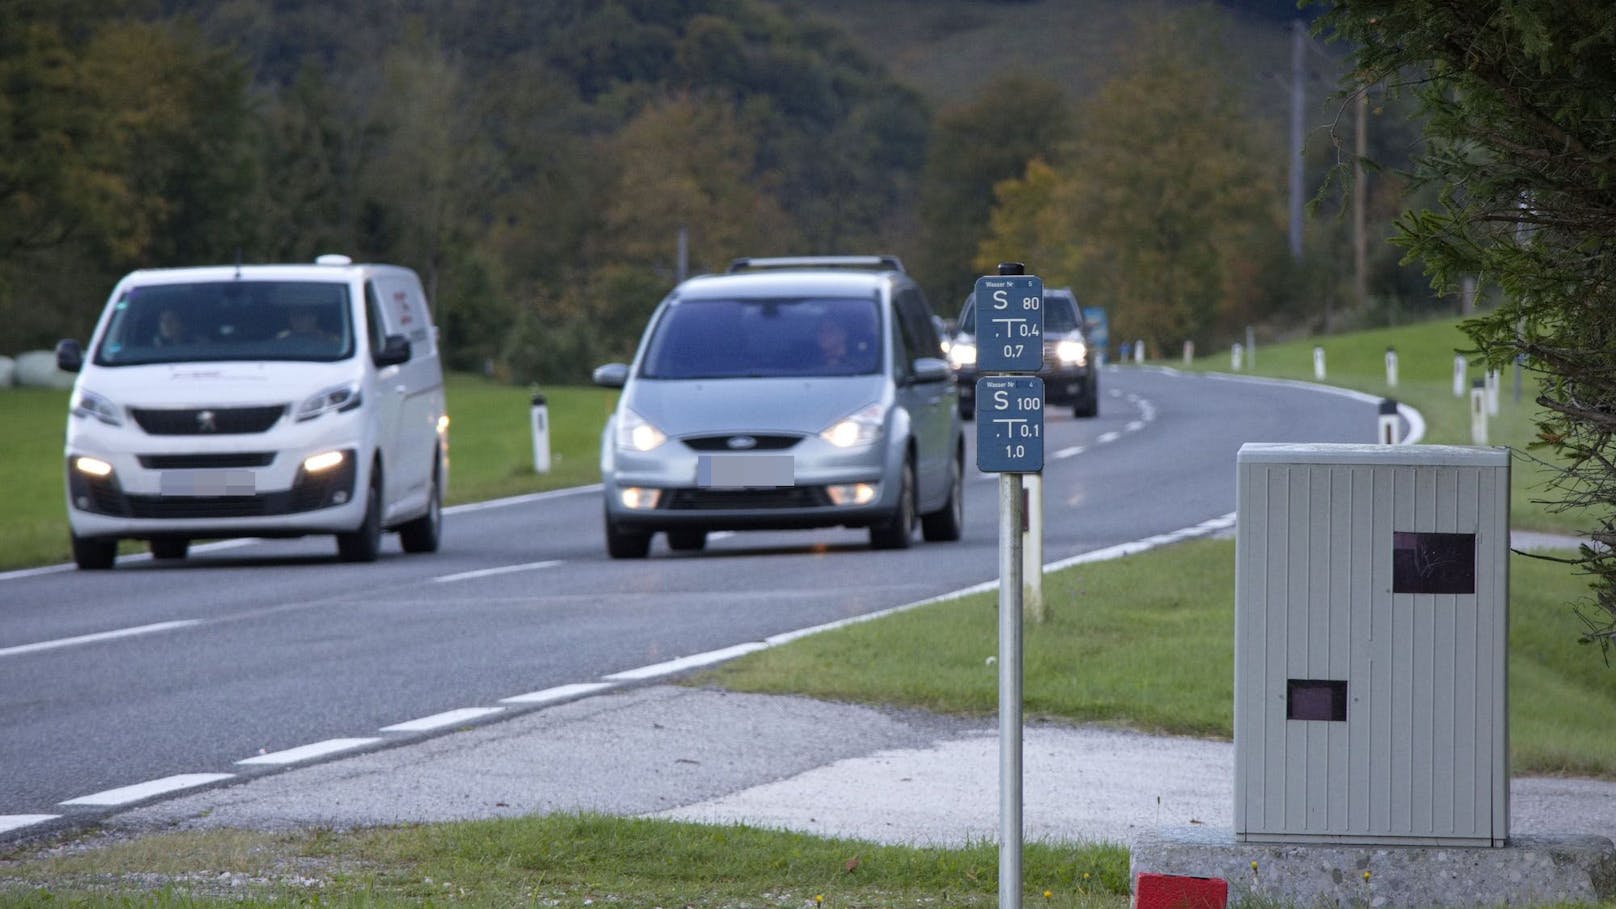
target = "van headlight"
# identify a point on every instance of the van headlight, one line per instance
(338, 398)
(858, 428)
(1072, 353)
(962, 354)
(636, 433)
(90, 404)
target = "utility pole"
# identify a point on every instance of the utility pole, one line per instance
(1360, 241)
(1298, 36)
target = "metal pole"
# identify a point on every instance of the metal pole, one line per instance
(1032, 554)
(1010, 691)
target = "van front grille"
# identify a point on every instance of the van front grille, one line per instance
(205, 421)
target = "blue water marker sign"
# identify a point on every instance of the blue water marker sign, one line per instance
(1009, 323)
(1010, 424)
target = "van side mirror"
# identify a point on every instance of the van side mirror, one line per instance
(395, 350)
(931, 369)
(612, 375)
(69, 355)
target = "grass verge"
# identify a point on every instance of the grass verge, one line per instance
(1147, 642)
(557, 860)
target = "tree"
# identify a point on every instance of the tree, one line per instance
(1521, 143)
(1162, 206)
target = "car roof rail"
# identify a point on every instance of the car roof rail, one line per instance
(864, 263)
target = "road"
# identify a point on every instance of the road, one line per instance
(272, 652)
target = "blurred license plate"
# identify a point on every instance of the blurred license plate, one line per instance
(208, 483)
(738, 470)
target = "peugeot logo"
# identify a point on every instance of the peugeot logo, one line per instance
(205, 421)
(741, 443)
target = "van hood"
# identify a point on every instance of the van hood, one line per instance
(215, 384)
(686, 407)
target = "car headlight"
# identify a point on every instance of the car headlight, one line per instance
(858, 428)
(337, 398)
(636, 433)
(962, 354)
(90, 404)
(1072, 353)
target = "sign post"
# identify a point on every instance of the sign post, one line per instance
(1010, 442)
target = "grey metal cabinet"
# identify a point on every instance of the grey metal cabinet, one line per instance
(1371, 614)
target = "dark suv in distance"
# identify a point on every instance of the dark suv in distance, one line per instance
(1069, 373)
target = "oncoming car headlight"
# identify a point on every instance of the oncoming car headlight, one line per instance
(858, 428)
(1072, 352)
(338, 398)
(962, 354)
(636, 433)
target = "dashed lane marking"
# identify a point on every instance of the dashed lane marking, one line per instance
(683, 663)
(97, 637)
(9, 822)
(446, 718)
(490, 572)
(558, 693)
(127, 794)
(309, 752)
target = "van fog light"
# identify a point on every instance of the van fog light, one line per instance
(639, 498)
(853, 493)
(323, 461)
(94, 467)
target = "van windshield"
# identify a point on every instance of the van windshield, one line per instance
(765, 336)
(229, 320)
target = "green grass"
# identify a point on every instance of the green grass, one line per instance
(490, 455)
(1147, 642)
(1425, 355)
(557, 860)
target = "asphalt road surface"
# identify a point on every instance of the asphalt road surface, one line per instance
(120, 688)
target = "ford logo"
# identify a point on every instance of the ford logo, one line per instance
(741, 443)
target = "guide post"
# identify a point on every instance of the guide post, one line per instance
(1010, 442)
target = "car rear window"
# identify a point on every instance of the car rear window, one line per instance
(765, 337)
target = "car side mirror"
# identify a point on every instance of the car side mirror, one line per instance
(612, 375)
(931, 369)
(69, 355)
(395, 350)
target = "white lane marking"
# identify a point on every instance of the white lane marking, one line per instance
(126, 794)
(1134, 426)
(9, 822)
(1065, 453)
(1108, 437)
(523, 499)
(683, 663)
(558, 693)
(440, 720)
(308, 752)
(98, 636)
(1416, 420)
(490, 572)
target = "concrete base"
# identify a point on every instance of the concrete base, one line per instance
(1531, 870)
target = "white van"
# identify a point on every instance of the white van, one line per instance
(261, 400)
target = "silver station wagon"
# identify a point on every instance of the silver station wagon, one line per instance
(786, 393)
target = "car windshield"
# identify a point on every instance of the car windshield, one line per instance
(1060, 315)
(765, 336)
(229, 320)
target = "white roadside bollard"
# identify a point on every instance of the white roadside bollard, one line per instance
(1032, 548)
(541, 434)
(1318, 363)
(1189, 352)
(1235, 352)
(1478, 413)
(1458, 375)
(1138, 352)
(1391, 367)
(1390, 429)
(1492, 392)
